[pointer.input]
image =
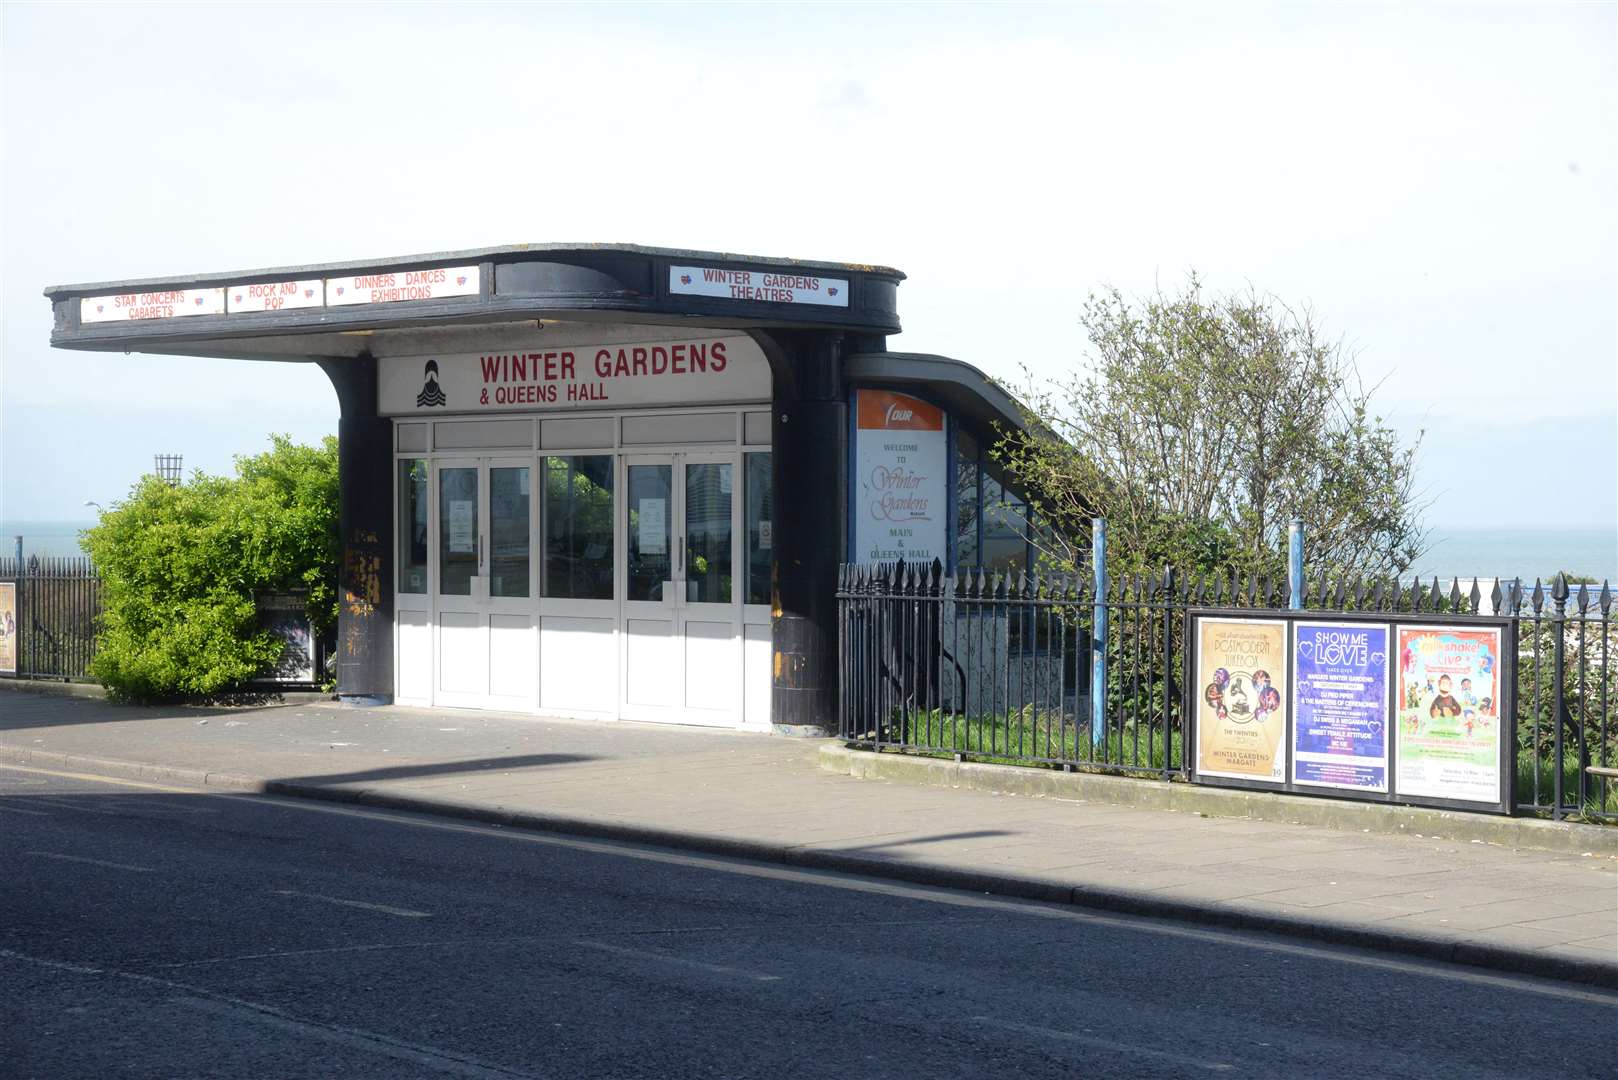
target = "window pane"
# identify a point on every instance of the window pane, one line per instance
(966, 502)
(578, 527)
(457, 531)
(1005, 544)
(651, 491)
(760, 517)
(708, 495)
(508, 531)
(412, 527)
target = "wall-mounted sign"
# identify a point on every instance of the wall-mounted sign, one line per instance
(1241, 688)
(8, 628)
(163, 304)
(695, 371)
(901, 470)
(769, 286)
(275, 295)
(1340, 705)
(402, 285)
(1448, 700)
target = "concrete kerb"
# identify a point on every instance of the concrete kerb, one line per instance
(1116, 900)
(1566, 838)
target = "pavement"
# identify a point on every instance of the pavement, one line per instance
(1519, 909)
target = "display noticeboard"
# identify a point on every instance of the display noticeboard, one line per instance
(1386, 708)
(8, 628)
(1241, 683)
(901, 471)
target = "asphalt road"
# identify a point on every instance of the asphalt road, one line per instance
(148, 932)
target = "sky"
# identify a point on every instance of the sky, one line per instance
(1436, 182)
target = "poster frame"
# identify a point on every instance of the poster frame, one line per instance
(1194, 751)
(15, 587)
(1393, 621)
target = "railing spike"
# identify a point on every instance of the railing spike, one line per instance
(1605, 599)
(1584, 598)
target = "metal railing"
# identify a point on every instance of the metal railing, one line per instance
(998, 667)
(58, 603)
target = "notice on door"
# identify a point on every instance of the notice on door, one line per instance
(653, 525)
(1340, 706)
(902, 467)
(1241, 687)
(461, 538)
(1449, 714)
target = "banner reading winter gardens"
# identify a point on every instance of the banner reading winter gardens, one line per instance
(1442, 716)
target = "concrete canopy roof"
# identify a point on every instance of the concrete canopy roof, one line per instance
(622, 283)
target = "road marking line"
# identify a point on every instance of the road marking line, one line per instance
(646, 954)
(446, 1061)
(19, 810)
(841, 880)
(94, 862)
(405, 913)
(1104, 1044)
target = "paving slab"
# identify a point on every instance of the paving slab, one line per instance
(1548, 912)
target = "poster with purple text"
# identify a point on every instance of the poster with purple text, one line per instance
(1340, 705)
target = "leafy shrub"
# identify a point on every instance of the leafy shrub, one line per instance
(181, 565)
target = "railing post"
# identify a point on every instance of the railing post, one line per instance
(1295, 564)
(1098, 642)
(1558, 692)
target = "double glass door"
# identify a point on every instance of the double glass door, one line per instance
(485, 582)
(682, 616)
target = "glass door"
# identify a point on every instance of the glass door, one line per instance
(484, 556)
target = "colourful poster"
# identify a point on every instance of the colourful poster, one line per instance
(1448, 746)
(8, 628)
(1241, 698)
(901, 457)
(1340, 705)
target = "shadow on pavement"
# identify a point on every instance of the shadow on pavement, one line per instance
(441, 768)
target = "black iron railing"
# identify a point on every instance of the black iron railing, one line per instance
(58, 601)
(1000, 667)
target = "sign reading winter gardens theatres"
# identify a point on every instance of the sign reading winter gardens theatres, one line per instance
(1347, 722)
(901, 467)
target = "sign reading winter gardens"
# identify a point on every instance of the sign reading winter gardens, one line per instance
(1347, 724)
(901, 468)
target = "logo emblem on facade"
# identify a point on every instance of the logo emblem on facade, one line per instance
(831, 290)
(685, 279)
(432, 395)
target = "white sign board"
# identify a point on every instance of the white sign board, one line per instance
(769, 286)
(168, 304)
(461, 512)
(275, 295)
(902, 473)
(693, 371)
(400, 285)
(652, 517)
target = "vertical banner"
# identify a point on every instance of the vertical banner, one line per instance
(1340, 705)
(8, 628)
(1448, 746)
(901, 469)
(1241, 688)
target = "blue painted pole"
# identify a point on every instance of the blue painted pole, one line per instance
(1098, 639)
(1295, 562)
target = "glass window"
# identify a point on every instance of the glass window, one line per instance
(508, 531)
(457, 530)
(709, 492)
(760, 517)
(412, 526)
(966, 500)
(651, 519)
(578, 527)
(1005, 528)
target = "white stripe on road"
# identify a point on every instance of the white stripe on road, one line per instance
(1104, 1044)
(646, 954)
(444, 1061)
(404, 913)
(94, 862)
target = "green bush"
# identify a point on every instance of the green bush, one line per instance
(181, 565)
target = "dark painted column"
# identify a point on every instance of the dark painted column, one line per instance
(810, 453)
(365, 516)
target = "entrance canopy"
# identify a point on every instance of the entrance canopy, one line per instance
(422, 303)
